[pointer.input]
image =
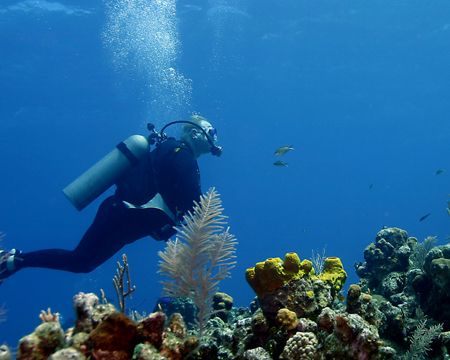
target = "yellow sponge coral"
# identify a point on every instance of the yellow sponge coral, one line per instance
(287, 319)
(269, 275)
(333, 273)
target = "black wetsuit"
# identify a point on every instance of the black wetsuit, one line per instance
(170, 169)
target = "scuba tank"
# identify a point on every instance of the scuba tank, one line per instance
(103, 174)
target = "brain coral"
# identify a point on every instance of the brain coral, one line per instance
(302, 346)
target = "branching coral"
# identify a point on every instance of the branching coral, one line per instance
(122, 272)
(49, 316)
(200, 257)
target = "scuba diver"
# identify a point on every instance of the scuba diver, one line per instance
(154, 189)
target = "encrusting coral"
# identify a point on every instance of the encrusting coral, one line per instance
(115, 334)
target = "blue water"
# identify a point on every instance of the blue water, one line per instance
(359, 88)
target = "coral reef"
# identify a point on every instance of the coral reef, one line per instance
(116, 334)
(222, 304)
(272, 274)
(182, 305)
(291, 284)
(433, 285)
(47, 338)
(66, 354)
(102, 332)
(400, 309)
(408, 282)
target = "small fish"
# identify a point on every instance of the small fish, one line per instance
(422, 218)
(164, 302)
(370, 186)
(439, 172)
(280, 163)
(167, 300)
(283, 150)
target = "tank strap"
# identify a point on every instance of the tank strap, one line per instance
(128, 154)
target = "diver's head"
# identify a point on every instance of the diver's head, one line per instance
(200, 137)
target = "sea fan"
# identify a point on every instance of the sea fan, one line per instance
(420, 251)
(201, 255)
(421, 341)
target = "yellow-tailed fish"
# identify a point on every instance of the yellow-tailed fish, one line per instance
(283, 150)
(280, 163)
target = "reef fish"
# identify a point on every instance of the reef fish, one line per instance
(422, 218)
(280, 163)
(439, 171)
(283, 150)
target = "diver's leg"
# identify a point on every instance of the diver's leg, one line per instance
(114, 226)
(111, 230)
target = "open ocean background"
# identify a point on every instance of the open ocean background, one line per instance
(361, 89)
